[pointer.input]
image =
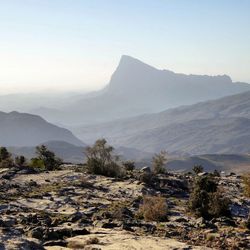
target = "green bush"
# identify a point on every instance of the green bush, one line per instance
(21, 161)
(37, 164)
(6, 160)
(129, 165)
(102, 161)
(207, 200)
(159, 162)
(198, 169)
(246, 183)
(45, 160)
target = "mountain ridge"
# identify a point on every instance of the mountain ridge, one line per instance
(23, 129)
(148, 90)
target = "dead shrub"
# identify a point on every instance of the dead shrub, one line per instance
(246, 183)
(154, 208)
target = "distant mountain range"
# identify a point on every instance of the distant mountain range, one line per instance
(218, 126)
(141, 111)
(21, 129)
(75, 154)
(136, 88)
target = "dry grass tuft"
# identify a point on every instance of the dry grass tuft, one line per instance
(154, 208)
(246, 183)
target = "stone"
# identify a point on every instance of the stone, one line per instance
(37, 232)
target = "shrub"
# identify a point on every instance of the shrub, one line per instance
(129, 165)
(37, 163)
(6, 160)
(198, 169)
(206, 200)
(21, 161)
(154, 208)
(101, 161)
(47, 157)
(218, 204)
(246, 183)
(158, 163)
(216, 173)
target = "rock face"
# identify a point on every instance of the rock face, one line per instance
(75, 210)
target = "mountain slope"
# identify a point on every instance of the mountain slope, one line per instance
(21, 129)
(136, 88)
(219, 126)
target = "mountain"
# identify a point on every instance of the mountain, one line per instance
(136, 88)
(218, 126)
(22, 129)
(75, 154)
(66, 151)
(238, 163)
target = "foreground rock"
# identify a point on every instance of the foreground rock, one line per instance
(69, 209)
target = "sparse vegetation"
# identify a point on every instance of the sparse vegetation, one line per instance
(154, 208)
(129, 165)
(158, 163)
(207, 200)
(45, 160)
(198, 169)
(21, 161)
(6, 160)
(246, 183)
(102, 161)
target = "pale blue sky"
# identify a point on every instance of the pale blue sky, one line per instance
(77, 44)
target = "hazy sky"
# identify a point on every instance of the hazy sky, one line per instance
(77, 44)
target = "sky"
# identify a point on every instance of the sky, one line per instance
(75, 45)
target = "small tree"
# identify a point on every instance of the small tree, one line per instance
(198, 169)
(129, 165)
(158, 162)
(46, 158)
(6, 160)
(101, 160)
(21, 161)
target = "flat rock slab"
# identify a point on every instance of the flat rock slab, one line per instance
(122, 240)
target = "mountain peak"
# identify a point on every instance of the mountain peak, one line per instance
(128, 62)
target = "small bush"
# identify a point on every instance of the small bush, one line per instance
(216, 173)
(154, 208)
(158, 163)
(21, 161)
(6, 160)
(246, 183)
(198, 169)
(129, 165)
(101, 161)
(45, 160)
(37, 164)
(206, 200)
(218, 204)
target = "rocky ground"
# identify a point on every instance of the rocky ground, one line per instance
(69, 209)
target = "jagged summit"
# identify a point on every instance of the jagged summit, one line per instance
(137, 88)
(131, 63)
